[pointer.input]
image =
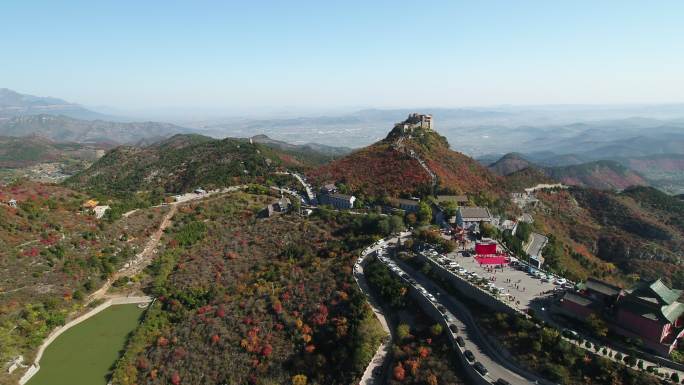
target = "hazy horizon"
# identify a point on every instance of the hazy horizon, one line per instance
(309, 55)
(190, 113)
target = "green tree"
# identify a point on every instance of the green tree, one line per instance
(424, 213)
(403, 331)
(396, 223)
(296, 205)
(523, 231)
(450, 209)
(488, 230)
(436, 329)
(597, 325)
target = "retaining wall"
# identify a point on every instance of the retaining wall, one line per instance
(429, 308)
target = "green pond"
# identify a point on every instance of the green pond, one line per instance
(84, 354)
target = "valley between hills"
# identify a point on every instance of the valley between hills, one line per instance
(403, 262)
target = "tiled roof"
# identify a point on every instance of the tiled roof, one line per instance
(400, 201)
(602, 287)
(673, 311)
(341, 196)
(474, 212)
(656, 292)
(572, 297)
(452, 198)
(654, 300)
(668, 313)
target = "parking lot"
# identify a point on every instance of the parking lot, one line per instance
(511, 282)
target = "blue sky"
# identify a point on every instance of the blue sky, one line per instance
(323, 54)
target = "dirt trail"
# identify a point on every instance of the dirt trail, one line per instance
(144, 258)
(141, 259)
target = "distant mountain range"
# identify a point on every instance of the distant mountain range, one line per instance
(13, 103)
(320, 149)
(479, 131)
(664, 171)
(67, 129)
(603, 174)
(59, 120)
(651, 149)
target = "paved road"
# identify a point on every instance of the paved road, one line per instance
(379, 359)
(536, 244)
(309, 192)
(292, 193)
(458, 313)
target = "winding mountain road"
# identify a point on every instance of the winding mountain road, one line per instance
(370, 375)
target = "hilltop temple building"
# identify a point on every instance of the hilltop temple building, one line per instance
(414, 121)
(649, 311)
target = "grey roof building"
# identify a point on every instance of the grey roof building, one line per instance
(470, 217)
(406, 204)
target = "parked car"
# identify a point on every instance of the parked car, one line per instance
(480, 368)
(501, 381)
(469, 355)
(460, 341)
(441, 309)
(453, 328)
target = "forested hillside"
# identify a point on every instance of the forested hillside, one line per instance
(27, 151)
(618, 236)
(600, 175)
(392, 167)
(604, 174)
(510, 163)
(248, 300)
(52, 255)
(180, 164)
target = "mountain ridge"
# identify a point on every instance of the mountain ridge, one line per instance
(68, 129)
(601, 174)
(181, 163)
(411, 160)
(13, 103)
